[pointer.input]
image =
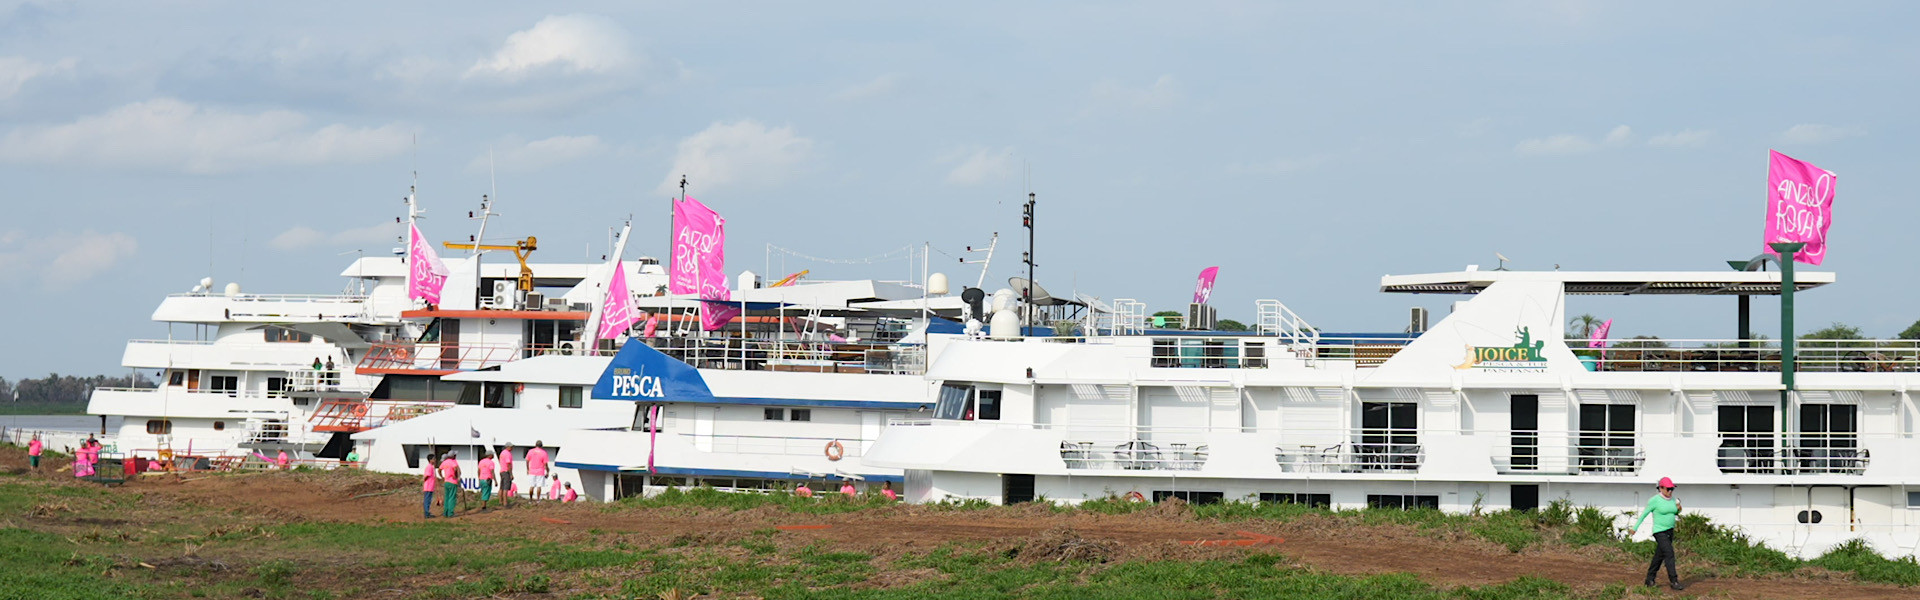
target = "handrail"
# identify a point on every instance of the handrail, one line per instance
(328, 298)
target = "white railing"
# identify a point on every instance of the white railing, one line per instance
(174, 342)
(1801, 454)
(812, 357)
(1138, 455)
(308, 298)
(1696, 355)
(766, 444)
(1376, 451)
(1274, 318)
(1570, 453)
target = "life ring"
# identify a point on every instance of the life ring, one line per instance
(1135, 497)
(403, 354)
(835, 451)
(360, 411)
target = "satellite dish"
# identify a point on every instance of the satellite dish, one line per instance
(1093, 303)
(1032, 291)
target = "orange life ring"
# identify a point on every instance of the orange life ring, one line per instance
(835, 451)
(403, 354)
(1135, 497)
(360, 411)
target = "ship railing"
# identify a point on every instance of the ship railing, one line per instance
(314, 298)
(1253, 350)
(1569, 453)
(1369, 451)
(771, 444)
(1753, 355)
(1133, 455)
(1801, 454)
(434, 356)
(174, 342)
(795, 356)
(309, 380)
(360, 415)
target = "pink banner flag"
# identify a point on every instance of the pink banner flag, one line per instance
(426, 275)
(716, 313)
(1599, 339)
(1799, 206)
(616, 310)
(699, 251)
(1203, 291)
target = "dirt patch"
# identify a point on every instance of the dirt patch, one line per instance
(1063, 545)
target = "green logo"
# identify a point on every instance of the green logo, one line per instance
(1524, 354)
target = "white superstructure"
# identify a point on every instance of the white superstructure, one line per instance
(1490, 408)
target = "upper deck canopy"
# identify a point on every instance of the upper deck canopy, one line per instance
(1611, 283)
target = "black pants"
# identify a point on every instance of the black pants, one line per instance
(1664, 540)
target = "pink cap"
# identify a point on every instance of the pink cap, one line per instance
(1666, 482)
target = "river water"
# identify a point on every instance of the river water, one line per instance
(75, 423)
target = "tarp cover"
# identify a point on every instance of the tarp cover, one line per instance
(640, 373)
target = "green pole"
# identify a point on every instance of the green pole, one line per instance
(1786, 251)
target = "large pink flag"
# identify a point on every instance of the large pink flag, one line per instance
(426, 275)
(1799, 206)
(1599, 338)
(699, 250)
(1203, 291)
(616, 310)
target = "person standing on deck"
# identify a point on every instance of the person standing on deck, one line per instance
(428, 485)
(486, 479)
(506, 476)
(1663, 508)
(450, 483)
(34, 448)
(537, 469)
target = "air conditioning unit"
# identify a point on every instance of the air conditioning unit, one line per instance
(535, 299)
(1200, 316)
(566, 348)
(502, 294)
(556, 304)
(1418, 321)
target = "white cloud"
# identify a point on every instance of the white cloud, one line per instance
(172, 135)
(1681, 139)
(1814, 133)
(980, 165)
(517, 155)
(1619, 135)
(301, 236)
(1162, 93)
(568, 43)
(879, 86)
(1567, 143)
(15, 72)
(741, 153)
(62, 259)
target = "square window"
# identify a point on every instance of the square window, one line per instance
(571, 396)
(989, 405)
(774, 414)
(800, 414)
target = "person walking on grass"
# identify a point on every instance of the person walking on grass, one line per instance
(486, 479)
(506, 476)
(450, 483)
(429, 483)
(537, 469)
(34, 448)
(1663, 507)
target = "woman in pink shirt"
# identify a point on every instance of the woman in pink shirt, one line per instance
(34, 448)
(847, 489)
(486, 479)
(803, 491)
(449, 483)
(428, 483)
(283, 461)
(886, 489)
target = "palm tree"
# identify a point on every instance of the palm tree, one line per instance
(1582, 327)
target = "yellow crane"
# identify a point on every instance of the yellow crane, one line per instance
(519, 249)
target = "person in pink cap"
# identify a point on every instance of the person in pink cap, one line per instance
(34, 448)
(537, 469)
(486, 479)
(506, 476)
(429, 483)
(1664, 508)
(449, 483)
(802, 490)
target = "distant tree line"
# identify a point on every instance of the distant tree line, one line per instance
(65, 389)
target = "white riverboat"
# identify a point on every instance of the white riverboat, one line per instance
(1490, 408)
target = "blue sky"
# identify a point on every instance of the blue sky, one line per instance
(1306, 149)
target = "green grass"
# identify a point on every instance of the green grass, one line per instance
(44, 566)
(1857, 558)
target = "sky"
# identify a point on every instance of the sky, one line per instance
(1305, 148)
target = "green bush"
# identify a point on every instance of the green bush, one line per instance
(1858, 558)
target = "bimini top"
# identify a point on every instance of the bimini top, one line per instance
(1611, 283)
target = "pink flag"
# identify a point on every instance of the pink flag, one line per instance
(699, 251)
(426, 275)
(1203, 291)
(715, 314)
(1799, 206)
(1599, 339)
(616, 310)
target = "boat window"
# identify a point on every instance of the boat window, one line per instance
(176, 378)
(281, 334)
(1189, 496)
(219, 425)
(277, 387)
(956, 402)
(800, 414)
(1746, 439)
(498, 394)
(989, 405)
(1606, 437)
(1402, 501)
(1311, 500)
(571, 396)
(432, 333)
(774, 414)
(224, 383)
(160, 427)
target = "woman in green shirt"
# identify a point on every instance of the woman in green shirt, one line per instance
(1663, 508)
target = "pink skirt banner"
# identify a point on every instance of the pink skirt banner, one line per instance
(1799, 206)
(426, 275)
(1203, 291)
